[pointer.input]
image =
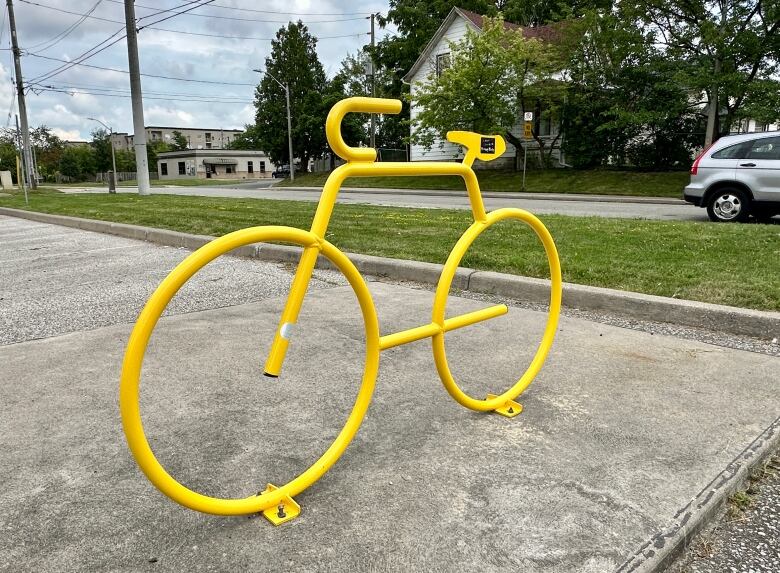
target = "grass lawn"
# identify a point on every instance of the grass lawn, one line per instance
(592, 182)
(730, 264)
(154, 183)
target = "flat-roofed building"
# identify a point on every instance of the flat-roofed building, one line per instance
(214, 163)
(197, 138)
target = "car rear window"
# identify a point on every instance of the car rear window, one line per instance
(766, 148)
(737, 151)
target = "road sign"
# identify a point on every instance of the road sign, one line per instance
(527, 130)
(528, 116)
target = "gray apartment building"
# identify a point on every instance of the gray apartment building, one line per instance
(197, 138)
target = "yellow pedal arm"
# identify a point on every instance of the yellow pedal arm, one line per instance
(432, 329)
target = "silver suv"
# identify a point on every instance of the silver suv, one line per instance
(738, 176)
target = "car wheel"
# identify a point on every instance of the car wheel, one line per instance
(728, 206)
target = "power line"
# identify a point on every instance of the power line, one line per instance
(61, 85)
(249, 37)
(226, 7)
(183, 12)
(97, 49)
(113, 21)
(66, 32)
(93, 51)
(73, 93)
(146, 75)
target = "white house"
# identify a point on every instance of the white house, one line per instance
(435, 58)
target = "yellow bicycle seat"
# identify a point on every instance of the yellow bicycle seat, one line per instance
(478, 146)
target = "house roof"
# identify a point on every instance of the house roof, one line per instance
(477, 22)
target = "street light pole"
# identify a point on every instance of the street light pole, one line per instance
(286, 88)
(113, 157)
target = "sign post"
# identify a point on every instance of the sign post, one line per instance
(528, 119)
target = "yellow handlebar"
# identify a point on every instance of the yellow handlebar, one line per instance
(359, 105)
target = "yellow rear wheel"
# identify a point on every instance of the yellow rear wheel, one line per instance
(139, 339)
(440, 304)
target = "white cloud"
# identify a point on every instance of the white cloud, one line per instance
(71, 135)
(166, 54)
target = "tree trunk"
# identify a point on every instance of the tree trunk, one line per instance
(712, 112)
(517, 142)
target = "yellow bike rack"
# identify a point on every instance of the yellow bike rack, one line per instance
(277, 503)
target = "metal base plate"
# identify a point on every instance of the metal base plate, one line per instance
(510, 409)
(284, 511)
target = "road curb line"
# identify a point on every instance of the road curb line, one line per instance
(500, 195)
(656, 554)
(727, 319)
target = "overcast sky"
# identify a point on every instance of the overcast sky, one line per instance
(214, 57)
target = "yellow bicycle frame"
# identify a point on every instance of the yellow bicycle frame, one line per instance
(361, 163)
(277, 503)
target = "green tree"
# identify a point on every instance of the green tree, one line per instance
(101, 143)
(125, 161)
(78, 162)
(293, 61)
(494, 77)
(179, 142)
(48, 150)
(248, 139)
(626, 102)
(152, 149)
(730, 50)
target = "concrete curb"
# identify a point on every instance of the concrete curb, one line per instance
(731, 320)
(655, 555)
(499, 195)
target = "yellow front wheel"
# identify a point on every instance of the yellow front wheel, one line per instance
(440, 305)
(139, 338)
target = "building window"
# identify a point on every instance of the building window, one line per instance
(442, 63)
(182, 168)
(208, 136)
(250, 167)
(208, 145)
(262, 167)
(230, 169)
(163, 169)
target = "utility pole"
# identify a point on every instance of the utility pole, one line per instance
(139, 137)
(20, 172)
(20, 94)
(372, 140)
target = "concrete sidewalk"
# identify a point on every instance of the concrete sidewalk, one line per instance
(621, 430)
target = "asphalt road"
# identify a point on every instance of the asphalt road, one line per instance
(617, 207)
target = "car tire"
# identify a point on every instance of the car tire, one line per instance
(728, 205)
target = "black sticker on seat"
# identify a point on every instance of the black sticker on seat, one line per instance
(488, 145)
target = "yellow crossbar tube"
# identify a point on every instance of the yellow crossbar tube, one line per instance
(432, 329)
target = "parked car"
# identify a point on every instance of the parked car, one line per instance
(281, 172)
(738, 176)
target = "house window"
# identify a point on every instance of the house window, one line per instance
(442, 63)
(262, 167)
(163, 169)
(182, 168)
(250, 167)
(230, 169)
(208, 136)
(208, 145)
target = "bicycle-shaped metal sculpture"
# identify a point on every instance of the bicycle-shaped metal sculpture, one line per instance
(277, 503)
